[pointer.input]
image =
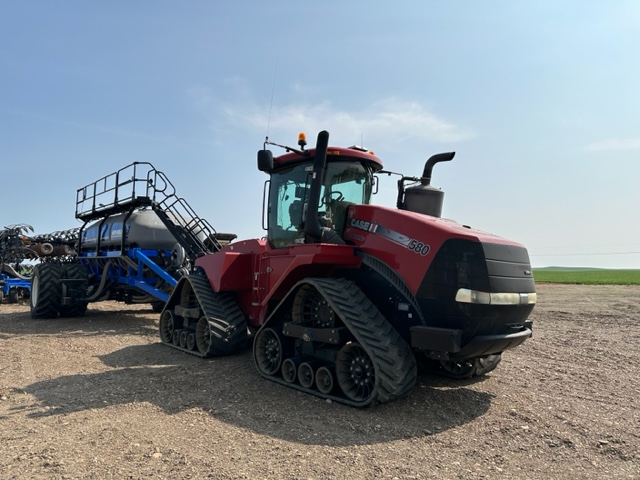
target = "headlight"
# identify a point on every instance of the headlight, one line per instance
(464, 295)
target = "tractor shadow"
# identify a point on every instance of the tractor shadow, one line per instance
(231, 390)
(129, 321)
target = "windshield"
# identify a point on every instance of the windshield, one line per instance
(345, 183)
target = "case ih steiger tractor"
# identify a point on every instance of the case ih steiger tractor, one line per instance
(345, 299)
(138, 237)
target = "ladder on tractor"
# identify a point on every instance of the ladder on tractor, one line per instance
(137, 186)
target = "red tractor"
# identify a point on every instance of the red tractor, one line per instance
(345, 299)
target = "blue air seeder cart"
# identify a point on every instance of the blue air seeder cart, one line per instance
(13, 288)
(138, 238)
(15, 278)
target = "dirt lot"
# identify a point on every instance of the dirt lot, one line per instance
(99, 397)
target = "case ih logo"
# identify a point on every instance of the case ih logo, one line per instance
(396, 237)
(364, 225)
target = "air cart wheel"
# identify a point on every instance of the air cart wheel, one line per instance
(46, 290)
(76, 289)
(13, 295)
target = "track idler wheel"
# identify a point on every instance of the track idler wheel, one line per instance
(268, 351)
(324, 380)
(191, 341)
(306, 374)
(355, 372)
(290, 369)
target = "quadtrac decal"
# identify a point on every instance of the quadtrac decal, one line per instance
(396, 237)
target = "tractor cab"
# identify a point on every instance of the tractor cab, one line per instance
(310, 190)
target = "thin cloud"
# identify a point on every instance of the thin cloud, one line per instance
(82, 125)
(391, 119)
(614, 144)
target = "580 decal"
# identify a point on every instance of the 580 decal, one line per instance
(419, 247)
(396, 237)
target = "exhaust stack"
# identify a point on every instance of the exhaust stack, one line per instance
(423, 197)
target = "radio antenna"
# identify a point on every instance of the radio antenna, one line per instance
(273, 88)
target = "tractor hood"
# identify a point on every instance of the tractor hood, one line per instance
(409, 243)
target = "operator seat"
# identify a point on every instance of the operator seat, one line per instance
(296, 214)
(339, 214)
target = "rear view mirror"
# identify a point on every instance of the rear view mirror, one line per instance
(301, 192)
(265, 160)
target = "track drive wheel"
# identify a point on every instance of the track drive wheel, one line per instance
(46, 290)
(311, 309)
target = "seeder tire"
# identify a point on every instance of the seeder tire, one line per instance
(13, 295)
(77, 290)
(46, 290)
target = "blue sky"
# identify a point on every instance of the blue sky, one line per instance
(540, 100)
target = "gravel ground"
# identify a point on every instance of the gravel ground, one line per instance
(98, 397)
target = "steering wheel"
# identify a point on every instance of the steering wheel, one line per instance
(326, 199)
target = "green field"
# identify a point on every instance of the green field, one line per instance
(586, 276)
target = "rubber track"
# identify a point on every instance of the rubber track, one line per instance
(226, 321)
(393, 360)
